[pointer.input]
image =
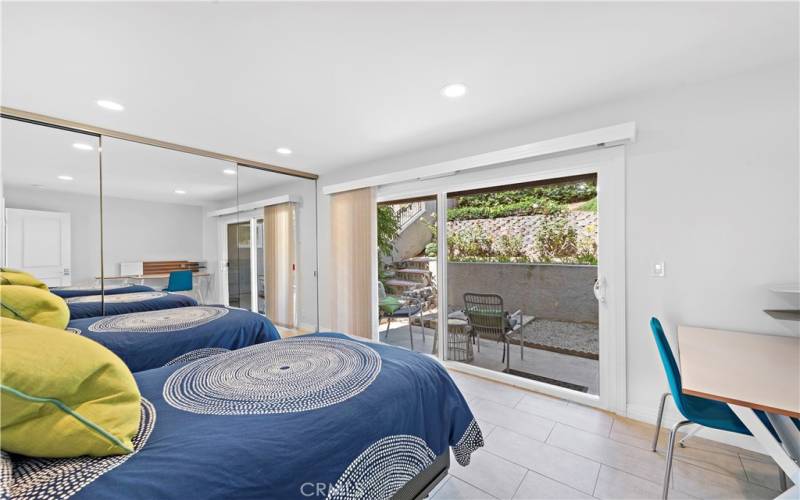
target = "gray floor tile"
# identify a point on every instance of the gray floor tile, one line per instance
(642, 463)
(475, 387)
(581, 417)
(538, 487)
(560, 465)
(490, 473)
(522, 422)
(456, 489)
(761, 473)
(617, 485)
(704, 483)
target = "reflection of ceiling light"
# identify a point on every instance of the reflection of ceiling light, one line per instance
(283, 151)
(454, 90)
(229, 171)
(179, 191)
(113, 106)
(82, 146)
(65, 177)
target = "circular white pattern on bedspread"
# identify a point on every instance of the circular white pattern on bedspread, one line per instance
(165, 320)
(383, 468)
(284, 376)
(57, 478)
(196, 354)
(119, 298)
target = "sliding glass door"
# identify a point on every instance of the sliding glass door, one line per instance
(240, 265)
(525, 266)
(408, 284)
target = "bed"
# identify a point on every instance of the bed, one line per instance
(316, 416)
(87, 306)
(66, 292)
(146, 340)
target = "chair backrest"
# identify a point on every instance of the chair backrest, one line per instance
(668, 360)
(486, 314)
(179, 281)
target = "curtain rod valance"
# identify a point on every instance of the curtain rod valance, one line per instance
(614, 134)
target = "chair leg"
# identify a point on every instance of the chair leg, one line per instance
(410, 333)
(658, 419)
(670, 451)
(388, 325)
(688, 435)
(521, 344)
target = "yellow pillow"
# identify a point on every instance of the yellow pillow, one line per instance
(10, 276)
(27, 303)
(63, 395)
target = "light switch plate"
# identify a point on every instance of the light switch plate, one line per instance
(658, 269)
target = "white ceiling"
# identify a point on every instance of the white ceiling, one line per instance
(346, 83)
(34, 156)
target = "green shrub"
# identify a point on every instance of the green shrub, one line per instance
(532, 207)
(432, 249)
(589, 206)
(559, 193)
(388, 229)
(556, 240)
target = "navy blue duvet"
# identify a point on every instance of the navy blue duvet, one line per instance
(271, 422)
(146, 340)
(76, 291)
(88, 306)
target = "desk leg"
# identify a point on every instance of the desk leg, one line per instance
(771, 445)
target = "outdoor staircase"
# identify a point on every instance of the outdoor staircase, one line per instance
(409, 274)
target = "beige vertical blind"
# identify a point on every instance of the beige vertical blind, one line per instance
(280, 263)
(351, 261)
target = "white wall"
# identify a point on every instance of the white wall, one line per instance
(133, 230)
(713, 184)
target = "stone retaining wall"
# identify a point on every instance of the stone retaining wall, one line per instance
(550, 291)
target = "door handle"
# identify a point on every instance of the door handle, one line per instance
(600, 289)
(66, 271)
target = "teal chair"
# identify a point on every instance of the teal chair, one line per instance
(181, 281)
(695, 410)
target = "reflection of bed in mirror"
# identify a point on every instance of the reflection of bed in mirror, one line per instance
(88, 306)
(150, 339)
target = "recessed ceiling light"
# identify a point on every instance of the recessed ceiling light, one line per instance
(229, 171)
(65, 177)
(82, 146)
(113, 106)
(283, 151)
(454, 90)
(179, 191)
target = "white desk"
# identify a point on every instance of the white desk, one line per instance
(749, 372)
(141, 278)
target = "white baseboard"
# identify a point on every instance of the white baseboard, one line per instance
(648, 415)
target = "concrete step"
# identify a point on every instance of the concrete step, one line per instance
(425, 272)
(419, 275)
(399, 286)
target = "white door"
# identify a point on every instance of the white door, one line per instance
(38, 242)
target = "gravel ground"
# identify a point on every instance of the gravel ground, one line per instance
(580, 337)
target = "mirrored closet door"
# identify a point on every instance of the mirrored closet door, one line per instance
(157, 231)
(94, 216)
(51, 193)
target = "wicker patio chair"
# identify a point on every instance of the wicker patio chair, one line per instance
(488, 319)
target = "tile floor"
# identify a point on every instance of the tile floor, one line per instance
(539, 447)
(572, 369)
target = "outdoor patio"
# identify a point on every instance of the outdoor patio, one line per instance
(542, 362)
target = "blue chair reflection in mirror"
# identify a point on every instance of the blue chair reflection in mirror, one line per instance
(182, 281)
(695, 410)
